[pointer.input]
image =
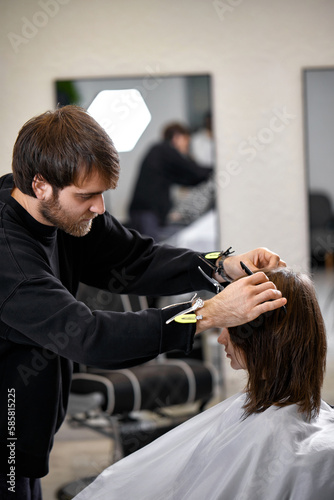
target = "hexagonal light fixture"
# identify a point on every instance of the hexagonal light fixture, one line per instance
(123, 114)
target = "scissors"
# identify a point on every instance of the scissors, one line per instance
(215, 283)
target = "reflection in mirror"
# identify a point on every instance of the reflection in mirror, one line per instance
(186, 187)
(319, 133)
(319, 149)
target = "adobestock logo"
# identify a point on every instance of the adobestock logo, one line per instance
(30, 27)
(225, 7)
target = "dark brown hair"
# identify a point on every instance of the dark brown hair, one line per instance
(174, 129)
(285, 354)
(63, 147)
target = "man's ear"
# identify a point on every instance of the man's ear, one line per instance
(42, 189)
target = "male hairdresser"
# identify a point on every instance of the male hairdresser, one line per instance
(55, 233)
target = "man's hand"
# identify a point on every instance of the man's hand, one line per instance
(260, 258)
(240, 302)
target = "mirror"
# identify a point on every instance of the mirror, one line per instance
(184, 99)
(319, 149)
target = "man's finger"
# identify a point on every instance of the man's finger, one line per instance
(257, 278)
(269, 260)
(269, 294)
(262, 287)
(268, 306)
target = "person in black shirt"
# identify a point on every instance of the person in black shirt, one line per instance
(166, 164)
(54, 234)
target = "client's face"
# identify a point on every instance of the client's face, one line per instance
(236, 357)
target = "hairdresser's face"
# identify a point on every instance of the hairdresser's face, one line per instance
(181, 143)
(236, 357)
(74, 207)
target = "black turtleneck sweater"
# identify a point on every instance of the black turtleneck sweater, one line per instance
(43, 328)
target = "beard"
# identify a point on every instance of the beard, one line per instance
(53, 212)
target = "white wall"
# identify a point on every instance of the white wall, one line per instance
(254, 50)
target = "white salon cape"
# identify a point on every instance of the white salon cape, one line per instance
(274, 455)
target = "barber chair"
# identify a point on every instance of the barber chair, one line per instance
(135, 406)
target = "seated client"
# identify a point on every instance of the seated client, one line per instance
(273, 441)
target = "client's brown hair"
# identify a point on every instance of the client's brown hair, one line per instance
(285, 354)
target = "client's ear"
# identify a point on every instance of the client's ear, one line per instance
(41, 187)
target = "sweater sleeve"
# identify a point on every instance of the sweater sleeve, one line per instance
(122, 261)
(181, 169)
(60, 324)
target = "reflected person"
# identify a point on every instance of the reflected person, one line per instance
(166, 164)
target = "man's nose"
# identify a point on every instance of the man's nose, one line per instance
(98, 206)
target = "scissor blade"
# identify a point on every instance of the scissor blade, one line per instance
(212, 280)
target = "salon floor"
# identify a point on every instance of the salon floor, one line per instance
(80, 452)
